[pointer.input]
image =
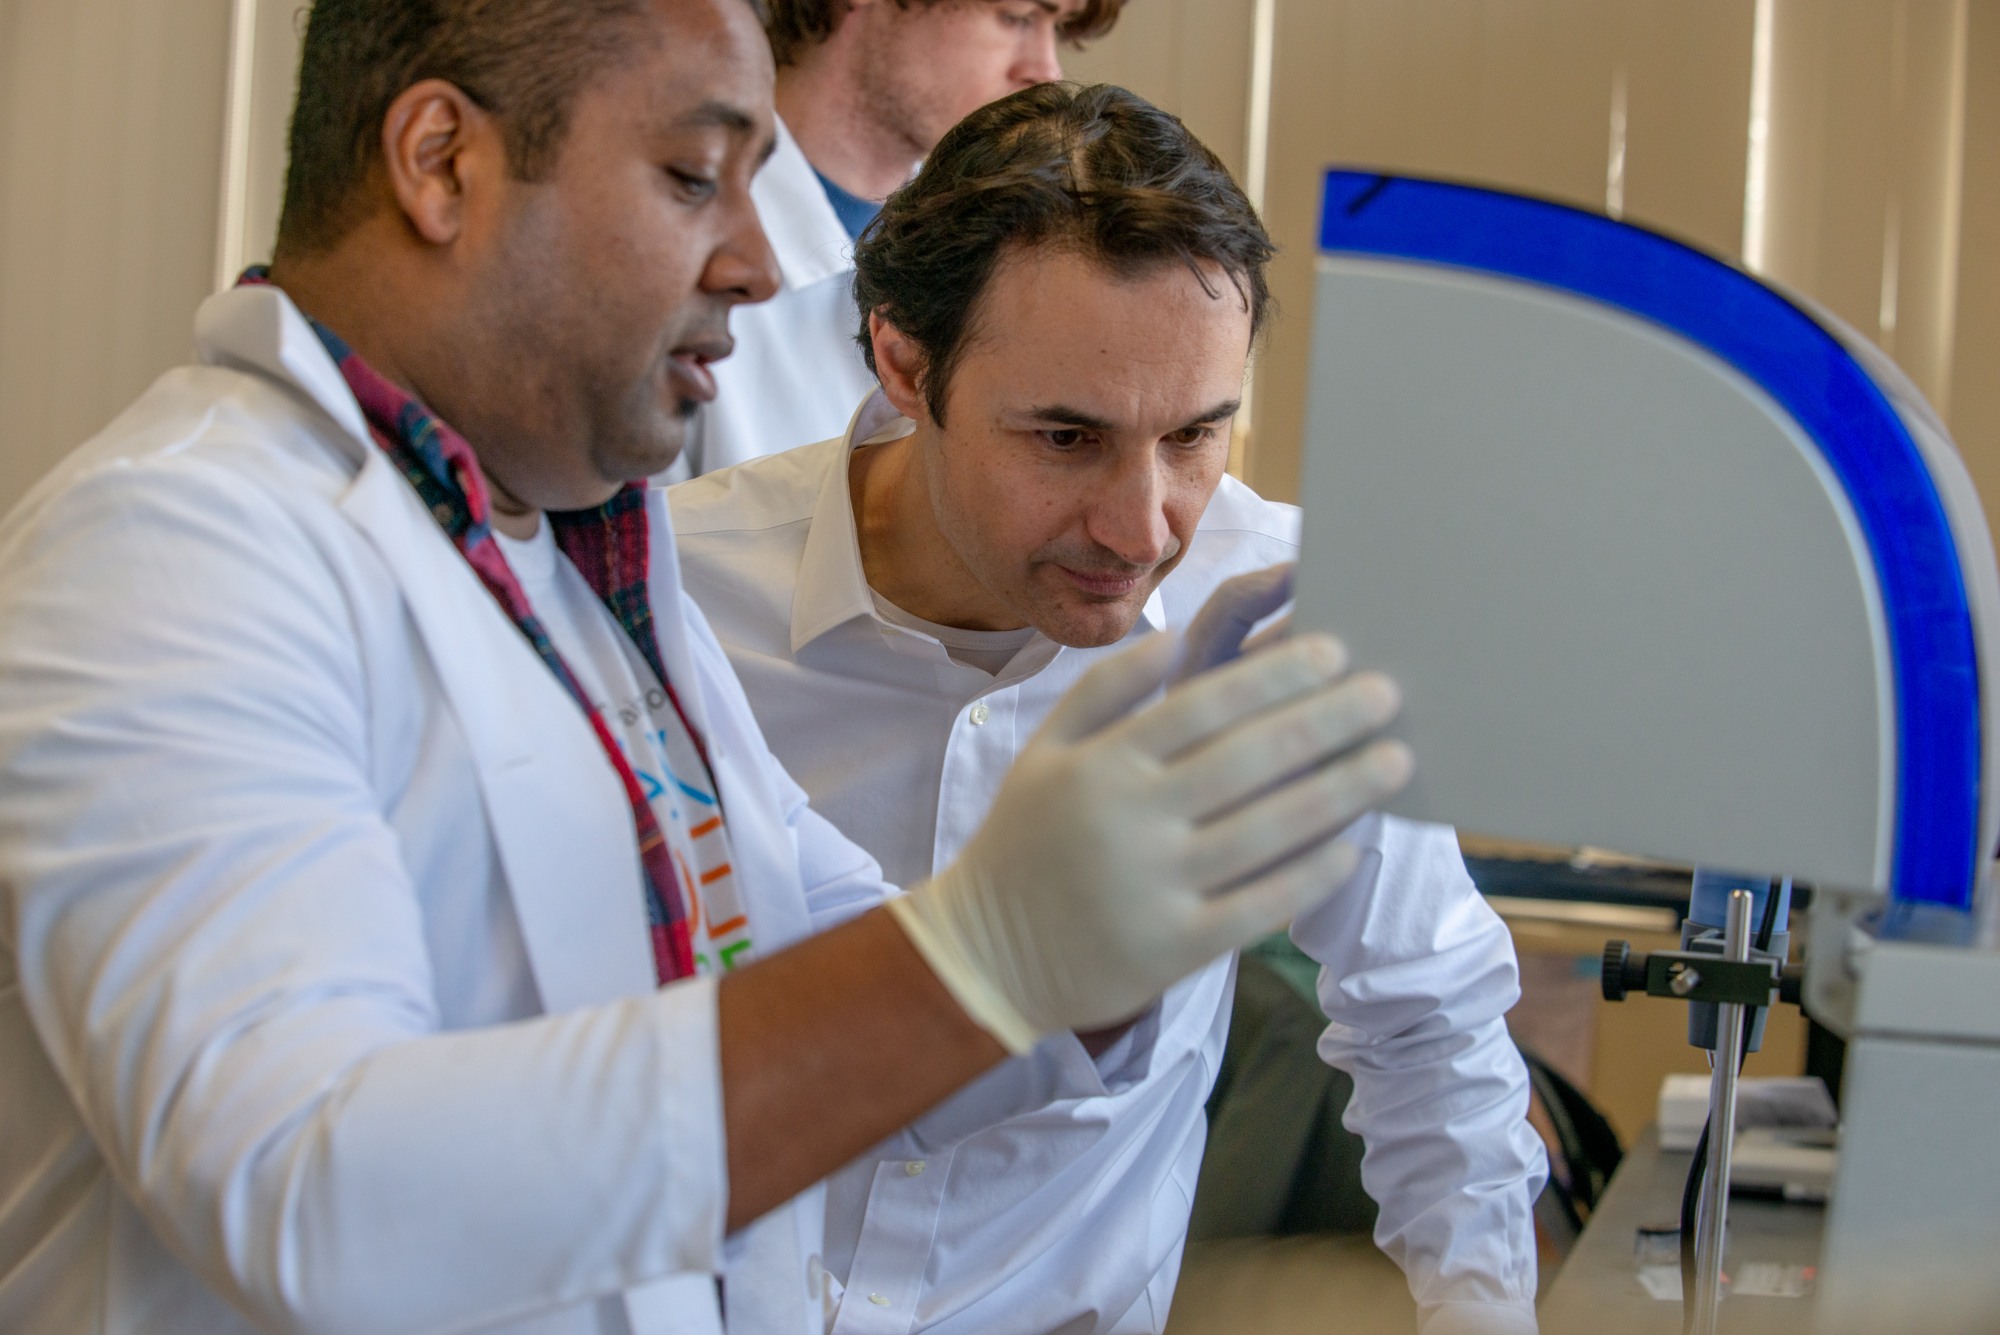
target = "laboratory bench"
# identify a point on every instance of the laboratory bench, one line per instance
(1598, 1290)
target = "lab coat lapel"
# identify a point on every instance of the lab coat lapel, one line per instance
(561, 821)
(761, 854)
(560, 818)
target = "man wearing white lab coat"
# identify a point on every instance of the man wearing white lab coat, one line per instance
(904, 604)
(865, 89)
(361, 966)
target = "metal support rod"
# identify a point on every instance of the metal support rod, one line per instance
(1713, 1218)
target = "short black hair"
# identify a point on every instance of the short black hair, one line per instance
(522, 60)
(1095, 168)
(797, 26)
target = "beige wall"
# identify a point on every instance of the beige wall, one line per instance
(1975, 374)
(1191, 57)
(1866, 105)
(276, 30)
(110, 143)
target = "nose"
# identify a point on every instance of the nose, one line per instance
(1130, 515)
(743, 268)
(1040, 62)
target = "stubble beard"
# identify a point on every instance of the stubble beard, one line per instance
(898, 117)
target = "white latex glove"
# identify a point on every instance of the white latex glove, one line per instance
(1127, 849)
(1220, 631)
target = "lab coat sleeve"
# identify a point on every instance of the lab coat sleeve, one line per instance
(1417, 976)
(222, 953)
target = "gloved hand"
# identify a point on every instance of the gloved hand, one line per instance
(1220, 631)
(1128, 848)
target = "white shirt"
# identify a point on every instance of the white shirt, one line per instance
(326, 999)
(1045, 1201)
(797, 371)
(665, 762)
(988, 650)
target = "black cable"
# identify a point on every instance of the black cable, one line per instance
(1770, 923)
(1691, 1189)
(1690, 1200)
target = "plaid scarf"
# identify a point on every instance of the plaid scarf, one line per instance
(608, 546)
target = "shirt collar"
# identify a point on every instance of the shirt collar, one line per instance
(832, 589)
(258, 329)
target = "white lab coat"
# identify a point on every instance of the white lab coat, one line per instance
(797, 372)
(325, 996)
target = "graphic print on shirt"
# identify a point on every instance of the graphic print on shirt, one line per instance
(677, 784)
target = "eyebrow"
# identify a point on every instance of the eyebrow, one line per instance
(715, 113)
(1068, 416)
(722, 114)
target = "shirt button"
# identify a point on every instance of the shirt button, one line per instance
(878, 1300)
(914, 1168)
(980, 713)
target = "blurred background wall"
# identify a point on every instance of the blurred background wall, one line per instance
(141, 161)
(110, 134)
(1847, 148)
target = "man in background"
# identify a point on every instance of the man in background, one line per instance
(865, 89)
(1061, 306)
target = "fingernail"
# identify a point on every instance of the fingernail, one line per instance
(1391, 764)
(1326, 654)
(1381, 695)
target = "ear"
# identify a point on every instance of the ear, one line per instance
(899, 366)
(439, 147)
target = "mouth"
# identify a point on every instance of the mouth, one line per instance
(689, 362)
(1100, 584)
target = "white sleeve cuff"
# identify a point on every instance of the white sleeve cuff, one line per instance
(1463, 1318)
(693, 1123)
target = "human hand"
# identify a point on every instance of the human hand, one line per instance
(1128, 847)
(1220, 631)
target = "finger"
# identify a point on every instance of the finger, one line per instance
(1111, 689)
(1215, 636)
(1278, 630)
(1198, 709)
(1297, 814)
(1302, 734)
(1268, 904)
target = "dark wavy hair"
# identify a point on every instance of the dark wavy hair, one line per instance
(795, 26)
(1097, 169)
(522, 60)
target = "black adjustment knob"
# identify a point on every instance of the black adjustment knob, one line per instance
(1616, 955)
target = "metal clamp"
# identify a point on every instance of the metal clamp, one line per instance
(1689, 975)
